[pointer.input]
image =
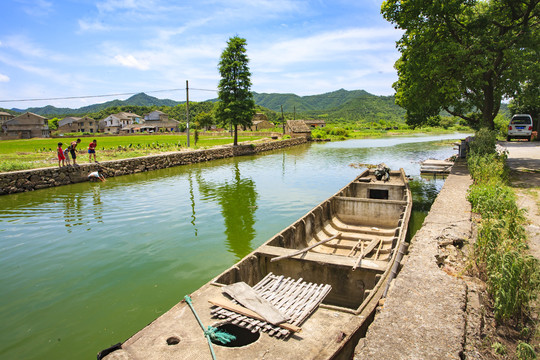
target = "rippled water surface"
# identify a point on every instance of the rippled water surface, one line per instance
(87, 265)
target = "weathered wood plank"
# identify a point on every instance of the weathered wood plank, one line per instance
(247, 297)
(366, 251)
(305, 249)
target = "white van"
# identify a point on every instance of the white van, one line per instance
(520, 127)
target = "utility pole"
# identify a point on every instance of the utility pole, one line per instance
(294, 116)
(283, 119)
(187, 111)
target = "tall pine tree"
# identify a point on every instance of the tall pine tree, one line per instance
(236, 105)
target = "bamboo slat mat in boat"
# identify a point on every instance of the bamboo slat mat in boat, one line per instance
(296, 299)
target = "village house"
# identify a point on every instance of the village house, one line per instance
(76, 124)
(157, 120)
(26, 126)
(112, 124)
(315, 123)
(297, 128)
(68, 124)
(260, 122)
(4, 116)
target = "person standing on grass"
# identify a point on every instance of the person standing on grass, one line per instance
(66, 155)
(61, 156)
(92, 150)
(72, 151)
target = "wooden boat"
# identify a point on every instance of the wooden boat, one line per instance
(325, 273)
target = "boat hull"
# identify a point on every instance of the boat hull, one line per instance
(354, 238)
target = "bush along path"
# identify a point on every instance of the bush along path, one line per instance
(500, 258)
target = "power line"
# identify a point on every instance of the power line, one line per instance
(95, 96)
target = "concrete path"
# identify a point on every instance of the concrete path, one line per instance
(424, 316)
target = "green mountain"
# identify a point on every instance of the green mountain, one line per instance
(365, 108)
(140, 99)
(291, 102)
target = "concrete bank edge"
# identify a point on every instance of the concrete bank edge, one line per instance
(34, 179)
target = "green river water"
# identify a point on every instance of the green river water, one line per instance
(87, 265)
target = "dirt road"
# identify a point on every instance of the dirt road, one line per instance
(524, 163)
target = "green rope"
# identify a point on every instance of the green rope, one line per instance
(219, 335)
(211, 333)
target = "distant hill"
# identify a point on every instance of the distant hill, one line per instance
(340, 105)
(340, 102)
(140, 99)
(365, 108)
(308, 103)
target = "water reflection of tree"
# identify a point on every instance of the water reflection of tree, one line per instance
(238, 200)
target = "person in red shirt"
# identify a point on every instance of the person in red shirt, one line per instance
(61, 157)
(92, 150)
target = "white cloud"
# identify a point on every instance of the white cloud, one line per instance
(131, 62)
(4, 78)
(324, 47)
(114, 5)
(38, 9)
(23, 45)
(85, 25)
(29, 49)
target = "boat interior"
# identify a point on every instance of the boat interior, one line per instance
(351, 237)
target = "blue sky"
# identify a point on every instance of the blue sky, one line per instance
(69, 48)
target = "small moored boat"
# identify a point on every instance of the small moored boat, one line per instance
(307, 293)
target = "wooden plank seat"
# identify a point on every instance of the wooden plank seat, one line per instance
(338, 260)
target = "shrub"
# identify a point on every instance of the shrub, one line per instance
(513, 276)
(494, 201)
(488, 168)
(483, 143)
(338, 132)
(318, 134)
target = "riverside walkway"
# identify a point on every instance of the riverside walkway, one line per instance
(425, 313)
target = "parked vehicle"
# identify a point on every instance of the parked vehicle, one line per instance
(520, 127)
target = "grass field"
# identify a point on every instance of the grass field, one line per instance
(38, 152)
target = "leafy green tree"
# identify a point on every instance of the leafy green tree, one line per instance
(53, 123)
(236, 105)
(463, 56)
(204, 119)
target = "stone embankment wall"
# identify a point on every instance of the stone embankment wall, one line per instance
(29, 180)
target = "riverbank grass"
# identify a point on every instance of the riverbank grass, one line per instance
(500, 252)
(38, 152)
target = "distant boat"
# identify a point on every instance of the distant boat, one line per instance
(307, 293)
